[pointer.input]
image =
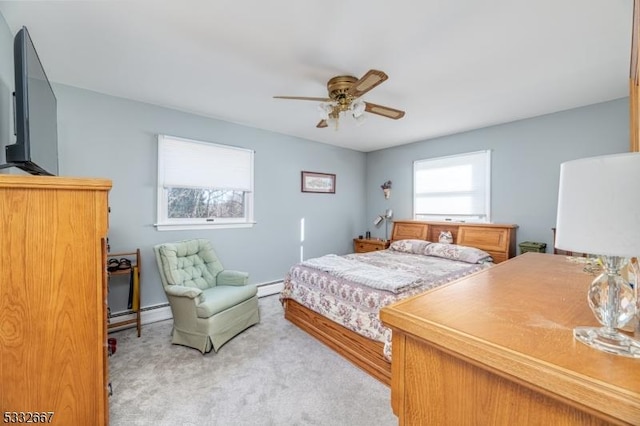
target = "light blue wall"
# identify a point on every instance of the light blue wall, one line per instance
(104, 136)
(526, 157)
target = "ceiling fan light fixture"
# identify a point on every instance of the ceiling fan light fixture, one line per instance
(358, 108)
(344, 92)
(359, 119)
(325, 110)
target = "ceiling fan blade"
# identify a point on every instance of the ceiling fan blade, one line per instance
(383, 111)
(322, 124)
(368, 81)
(303, 98)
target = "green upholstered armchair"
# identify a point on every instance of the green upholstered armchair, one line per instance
(210, 305)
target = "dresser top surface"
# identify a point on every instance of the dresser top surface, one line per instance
(53, 182)
(518, 316)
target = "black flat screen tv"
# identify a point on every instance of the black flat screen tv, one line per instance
(35, 113)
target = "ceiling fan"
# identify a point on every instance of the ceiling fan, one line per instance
(344, 93)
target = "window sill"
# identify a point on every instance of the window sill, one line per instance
(187, 227)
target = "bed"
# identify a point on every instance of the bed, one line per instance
(337, 299)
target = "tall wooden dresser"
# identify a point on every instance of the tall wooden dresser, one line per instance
(53, 328)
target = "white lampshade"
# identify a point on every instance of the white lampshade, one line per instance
(599, 205)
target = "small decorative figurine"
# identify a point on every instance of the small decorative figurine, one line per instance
(445, 237)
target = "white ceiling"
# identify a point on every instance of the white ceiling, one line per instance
(453, 65)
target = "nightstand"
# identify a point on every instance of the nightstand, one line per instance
(364, 245)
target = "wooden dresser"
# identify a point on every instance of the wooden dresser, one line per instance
(53, 324)
(497, 347)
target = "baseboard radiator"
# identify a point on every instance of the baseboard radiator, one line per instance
(162, 311)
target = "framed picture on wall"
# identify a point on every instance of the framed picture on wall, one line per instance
(318, 182)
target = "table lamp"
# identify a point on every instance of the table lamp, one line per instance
(385, 217)
(599, 214)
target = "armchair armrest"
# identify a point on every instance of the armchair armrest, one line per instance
(228, 277)
(181, 291)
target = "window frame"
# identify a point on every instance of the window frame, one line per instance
(455, 217)
(164, 223)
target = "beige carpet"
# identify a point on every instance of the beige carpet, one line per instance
(272, 374)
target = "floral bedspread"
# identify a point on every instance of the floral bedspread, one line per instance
(356, 306)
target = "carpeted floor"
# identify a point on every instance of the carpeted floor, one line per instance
(271, 374)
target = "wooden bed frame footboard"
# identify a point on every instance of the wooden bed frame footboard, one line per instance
(497, 239)
(364, 353)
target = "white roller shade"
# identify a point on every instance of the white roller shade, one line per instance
(233, 171)
(456, 185)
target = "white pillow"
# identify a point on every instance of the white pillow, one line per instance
(410, 246)
(456, 252)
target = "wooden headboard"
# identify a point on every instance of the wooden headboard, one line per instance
(499, 240)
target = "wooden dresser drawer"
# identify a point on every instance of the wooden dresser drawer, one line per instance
(366, 245)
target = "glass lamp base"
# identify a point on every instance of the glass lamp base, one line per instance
(612, 342)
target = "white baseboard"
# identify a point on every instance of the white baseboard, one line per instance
(268, 289)
(155, 313)
(148, 315)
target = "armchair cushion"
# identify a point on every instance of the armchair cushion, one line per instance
(220, 298)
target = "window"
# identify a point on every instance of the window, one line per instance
(203, 185)
(453, 188)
